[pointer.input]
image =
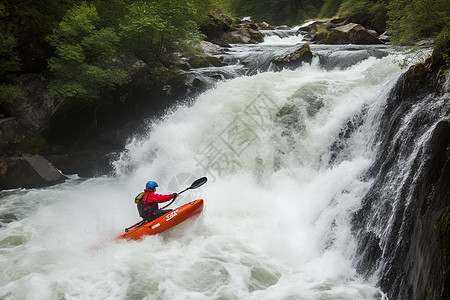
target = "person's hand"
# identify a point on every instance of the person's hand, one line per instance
(175, 195)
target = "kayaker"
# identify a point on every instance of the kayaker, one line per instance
(147, 202)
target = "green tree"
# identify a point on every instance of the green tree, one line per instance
(410, 21)
(9, 60)
(84, 63)
(152, 30)
(369, 13)
(277, 12)
(329, 8)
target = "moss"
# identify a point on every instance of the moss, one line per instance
(416, 71)
(441, 50)
(307, 47)
(325, 36)
(205, 61)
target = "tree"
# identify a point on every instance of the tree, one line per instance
(84, 63)
(152, 30)
(329, 8)
(410, 21)
(9, 60)
(277, 12)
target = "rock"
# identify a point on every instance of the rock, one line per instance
(384, 37)
(294, 59)
(218, 22)
(33, 105)
(347, 34)
(211, 49)
(243, 36)
(205, 61)
(426, 43)
(222, 30)
(282, 27)
(265, 26)
(10, 132)
(28, 172)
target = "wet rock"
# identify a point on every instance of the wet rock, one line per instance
(223, 30)
(426, 43)
(295, 58)
(243, 36)
(282, 27)
(384, 38)
(28, 172)
(265, 26)
(211, 49)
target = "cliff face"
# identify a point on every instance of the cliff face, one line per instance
(397, 225)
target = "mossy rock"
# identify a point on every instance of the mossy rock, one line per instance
(334, 37)
(205, 61)
(416, 71)
(441, 51)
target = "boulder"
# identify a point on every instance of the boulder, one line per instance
(384, 37)
(243, 36)
(265, 26)
(351, 33)
(28, 172)
(294, 58)
(211, 49)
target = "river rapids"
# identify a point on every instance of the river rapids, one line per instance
(284, 153)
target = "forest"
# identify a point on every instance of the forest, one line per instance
(81, 43)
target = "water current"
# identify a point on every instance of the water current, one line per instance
(278, 202)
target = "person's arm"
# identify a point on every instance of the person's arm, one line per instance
(162, 198)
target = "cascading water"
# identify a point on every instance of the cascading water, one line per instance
(284, 153)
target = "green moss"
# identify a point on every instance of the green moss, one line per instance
(205, 61)
(441, 50)
(331, 36)
(416, 71)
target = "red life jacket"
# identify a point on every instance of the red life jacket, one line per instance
(149, 202)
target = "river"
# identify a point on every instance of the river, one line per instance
(284, 176)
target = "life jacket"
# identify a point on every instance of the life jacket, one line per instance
(147, 202)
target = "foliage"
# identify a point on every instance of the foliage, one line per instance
(329, 8)
(7, 93)
(410, 21)
(9, 60)
(153, 29)
(441, 52)
(276, 12)
(366, 12)
(92, 37)
(82, 66)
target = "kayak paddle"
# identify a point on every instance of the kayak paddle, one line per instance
(196, 184)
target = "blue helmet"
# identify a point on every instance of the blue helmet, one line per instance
(151, 185)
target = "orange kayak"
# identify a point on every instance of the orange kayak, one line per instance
(165, 222)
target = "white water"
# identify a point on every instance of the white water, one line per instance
(276, 218)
